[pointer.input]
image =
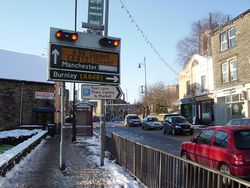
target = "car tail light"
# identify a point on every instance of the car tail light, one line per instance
(238, 159)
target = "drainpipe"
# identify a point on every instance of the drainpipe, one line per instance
(21, 106)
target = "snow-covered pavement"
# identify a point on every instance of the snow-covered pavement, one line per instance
(40, 168)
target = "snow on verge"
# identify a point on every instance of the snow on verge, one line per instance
(11, 153)
(119, 175)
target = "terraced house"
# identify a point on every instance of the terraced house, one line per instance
(231, 66)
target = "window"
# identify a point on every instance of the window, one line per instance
(231, 37)
(188, 87)
(223, 41)
(233, 70)
(242, 139)
(225, 73)
(229, 71)
(228, 39)
(203, 83)
(221, 139)
(205, 137)
(195, 63)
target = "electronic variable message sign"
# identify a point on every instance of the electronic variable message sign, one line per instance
(83, 60)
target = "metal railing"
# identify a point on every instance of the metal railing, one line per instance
(157, 169)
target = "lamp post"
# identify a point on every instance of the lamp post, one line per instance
(145, 72)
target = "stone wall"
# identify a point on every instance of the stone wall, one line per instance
(11, 114)
(241, 51)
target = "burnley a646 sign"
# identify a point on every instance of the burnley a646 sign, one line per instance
(71, 61)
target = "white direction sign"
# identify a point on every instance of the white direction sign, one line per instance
(100, 92)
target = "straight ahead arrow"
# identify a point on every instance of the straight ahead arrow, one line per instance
(55, 53)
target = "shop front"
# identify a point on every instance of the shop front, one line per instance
(187, 108)
(204, 110)
(229, 104)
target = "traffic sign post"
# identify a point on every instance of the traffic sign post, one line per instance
(100, 92)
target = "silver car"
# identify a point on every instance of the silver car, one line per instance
(150, 122)
(132, 120)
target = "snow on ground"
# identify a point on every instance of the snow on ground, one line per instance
(11, 153)
(119, 175)
(113, 174)
(17, 133)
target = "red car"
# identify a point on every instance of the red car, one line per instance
(225, 148)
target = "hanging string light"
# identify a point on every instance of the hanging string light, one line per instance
(132, 20)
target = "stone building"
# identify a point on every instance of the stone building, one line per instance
(29, 103)
(25, 102)
(231, 57)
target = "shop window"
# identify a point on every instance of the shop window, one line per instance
(235, 104)
(206, 111)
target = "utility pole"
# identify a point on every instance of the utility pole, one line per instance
(62, 162)
(74, 92)
(102, 115)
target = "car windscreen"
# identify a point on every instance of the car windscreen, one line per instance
(133, 117)
(242, 139)
(179, 120)
(152, 119)
(239, 122)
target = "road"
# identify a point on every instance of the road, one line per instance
(153, 138)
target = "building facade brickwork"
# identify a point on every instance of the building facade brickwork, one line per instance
(20, 103)
(231, 58)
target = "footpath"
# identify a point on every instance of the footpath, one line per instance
(40, 168)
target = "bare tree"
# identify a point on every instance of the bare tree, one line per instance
(193, 43)
(160, 98)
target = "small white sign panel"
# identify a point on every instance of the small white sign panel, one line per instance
(44, 95)
(100, 92)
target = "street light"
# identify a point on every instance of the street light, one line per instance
(145, 72)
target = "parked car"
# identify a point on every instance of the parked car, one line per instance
(132, 120)
(177, 125)
(150, 122)
(239, 121)
(163, 116)
(116, 119)
(225, 148)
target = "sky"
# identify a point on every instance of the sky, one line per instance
(25, 28)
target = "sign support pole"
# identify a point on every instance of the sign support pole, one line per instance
(102, 133)
(62, 162)
(102, 116)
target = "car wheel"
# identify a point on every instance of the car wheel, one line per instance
(224, 168)
(173, 131)
(184, 155)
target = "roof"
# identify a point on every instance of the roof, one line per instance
(230, 21)
(35, 82)
(20, 66)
